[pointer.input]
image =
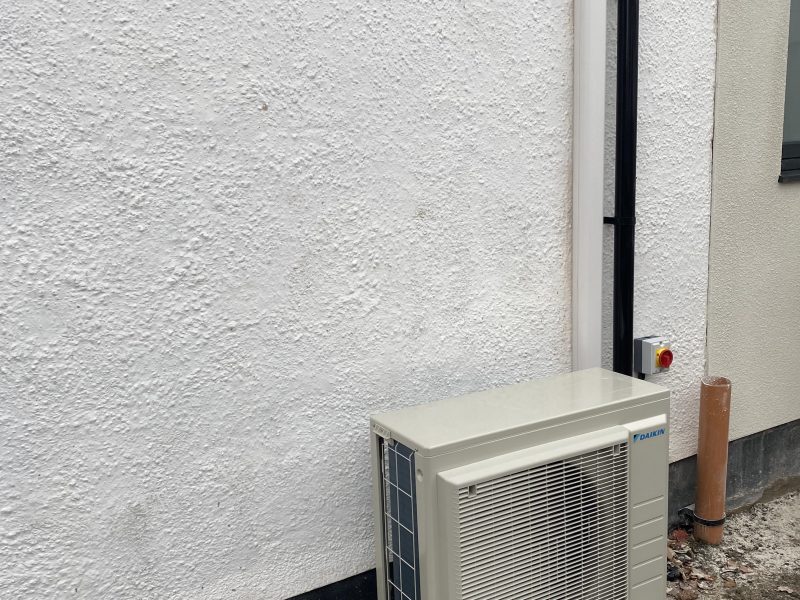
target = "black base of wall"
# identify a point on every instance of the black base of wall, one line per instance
(755, 464)
(359, 587)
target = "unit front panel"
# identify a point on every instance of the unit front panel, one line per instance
(549, 522)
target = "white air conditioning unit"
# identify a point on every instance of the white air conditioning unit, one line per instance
(549, 490)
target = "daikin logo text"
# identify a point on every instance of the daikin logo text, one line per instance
(646, 436)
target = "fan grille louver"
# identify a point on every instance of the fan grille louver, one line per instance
(557, 531)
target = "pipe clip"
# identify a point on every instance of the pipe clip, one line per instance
(621, 220)
(689, 516)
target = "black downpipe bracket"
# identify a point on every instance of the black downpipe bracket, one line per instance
(625, 182)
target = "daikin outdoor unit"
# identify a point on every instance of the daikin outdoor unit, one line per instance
(549, 490)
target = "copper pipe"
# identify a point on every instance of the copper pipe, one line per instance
(712, 457)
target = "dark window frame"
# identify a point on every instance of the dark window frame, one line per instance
(790, 162)
(790, 151)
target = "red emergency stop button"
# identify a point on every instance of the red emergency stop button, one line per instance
(664, 358)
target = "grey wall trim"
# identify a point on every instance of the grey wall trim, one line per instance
(756, 463)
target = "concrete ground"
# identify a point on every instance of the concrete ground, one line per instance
(758, 559)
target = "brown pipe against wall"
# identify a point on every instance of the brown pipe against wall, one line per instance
(712, 456)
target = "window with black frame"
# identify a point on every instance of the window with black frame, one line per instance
(790, 165)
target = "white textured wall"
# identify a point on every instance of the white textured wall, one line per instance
(676, 108)
(231, 230)
(754, 288)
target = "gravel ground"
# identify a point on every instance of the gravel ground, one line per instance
(758, 559)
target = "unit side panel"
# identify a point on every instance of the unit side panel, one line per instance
(430, 525)
(399, 563)
(448, 534)
(649, 446)
(378, 508)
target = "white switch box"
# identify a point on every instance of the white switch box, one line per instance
(651, 354)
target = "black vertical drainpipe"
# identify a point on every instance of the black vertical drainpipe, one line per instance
(625, 183)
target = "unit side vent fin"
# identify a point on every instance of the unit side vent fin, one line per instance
(401, 554)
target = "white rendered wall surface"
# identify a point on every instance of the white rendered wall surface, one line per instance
(754, 287)
(230, 231)
(676, 113)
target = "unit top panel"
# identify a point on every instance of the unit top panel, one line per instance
(446, 425)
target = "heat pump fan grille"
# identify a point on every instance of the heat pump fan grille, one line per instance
(552, 532)
(401, 554)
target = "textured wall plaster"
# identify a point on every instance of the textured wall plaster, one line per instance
(232, 230)
(754, 284)
(676, 106)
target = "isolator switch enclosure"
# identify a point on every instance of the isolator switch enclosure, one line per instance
(651, 354)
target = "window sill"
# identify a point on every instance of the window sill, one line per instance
(789, 176)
